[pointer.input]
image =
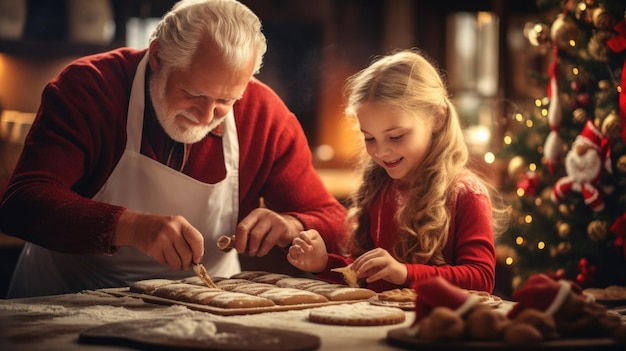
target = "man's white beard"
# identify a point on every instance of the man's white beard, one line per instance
(177, 131)
(583, 168)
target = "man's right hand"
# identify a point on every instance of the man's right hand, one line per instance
(170, 240)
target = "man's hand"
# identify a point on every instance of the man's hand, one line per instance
(378, 264)
(308, 252)
(263, 229)
(170, 240)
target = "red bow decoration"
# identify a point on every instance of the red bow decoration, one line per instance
(619, 229)
(618, 44)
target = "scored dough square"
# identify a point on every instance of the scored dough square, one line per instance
(300, 283)
(172, 291)
(269, 278)
(289, 296)
(148, 286)
(343, 293)
(253, 288)
(239, 300)
(249, 275)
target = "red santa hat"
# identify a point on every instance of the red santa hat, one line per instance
(438, 292)
(590, 135)
(542, 293)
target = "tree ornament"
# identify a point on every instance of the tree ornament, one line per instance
(611, 127)
(516, 167)
(563, 208)
(583, 165)
(618, 45)
(602, 19)
(538, 34)
(597, 45)
(580, 115)
(565, 33)
(563, 248)
(564, 229)
(597, 230)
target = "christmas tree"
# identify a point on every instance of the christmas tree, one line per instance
(567, 158)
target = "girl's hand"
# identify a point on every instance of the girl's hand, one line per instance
(378, 264)
(308, 252)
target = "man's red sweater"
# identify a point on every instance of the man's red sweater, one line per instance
(79, 135)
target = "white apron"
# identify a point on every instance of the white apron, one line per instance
(142, 184)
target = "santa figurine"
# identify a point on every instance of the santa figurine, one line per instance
(583, 164)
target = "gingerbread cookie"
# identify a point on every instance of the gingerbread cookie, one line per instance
(357, 315)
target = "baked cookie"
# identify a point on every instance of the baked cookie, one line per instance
(231, 283)
(270, 278)
(172, 291)
(203, 297)
(198, 294)
(248, 274)
(289, 296)
(337, 292)
(253, 288)
(398, 295)
(239, 300)
(148, 286)
(300, 283)
(359, 314)
(195, 280)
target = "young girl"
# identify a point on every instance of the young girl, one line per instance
(420, 211)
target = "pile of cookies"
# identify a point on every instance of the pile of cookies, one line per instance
(544, 310)
(250, 289)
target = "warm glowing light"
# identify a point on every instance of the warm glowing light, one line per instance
(528, 219)
(532, 167)
(544, 112)
(325, 152)
(508, 140)
(508, 261)
(489, 157)
(572, 43)
(519, 240)
(575, 71)
(541, 245)
(519, 117)
(529, 124)
(538, 103)
(520, 192)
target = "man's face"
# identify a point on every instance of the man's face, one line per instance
(191, 101)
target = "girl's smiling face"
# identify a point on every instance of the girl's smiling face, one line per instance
(395, 139)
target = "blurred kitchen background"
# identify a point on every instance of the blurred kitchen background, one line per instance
(313, 47)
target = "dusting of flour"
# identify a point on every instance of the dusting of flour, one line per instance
(188, 328)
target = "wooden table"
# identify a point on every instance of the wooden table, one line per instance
(55, 322)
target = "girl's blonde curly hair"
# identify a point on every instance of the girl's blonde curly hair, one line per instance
(408, 80)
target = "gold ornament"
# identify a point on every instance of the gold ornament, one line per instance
(564, 33)
(597, 45)
(564, 209)
(564, 229)
(537, 33)
(516, 167)
(563, 248)
(602, 19)
(612, 127)
(579, 115)
(597, 230)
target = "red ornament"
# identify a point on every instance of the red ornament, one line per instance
(580, 279)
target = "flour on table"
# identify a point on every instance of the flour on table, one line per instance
(198, 329)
